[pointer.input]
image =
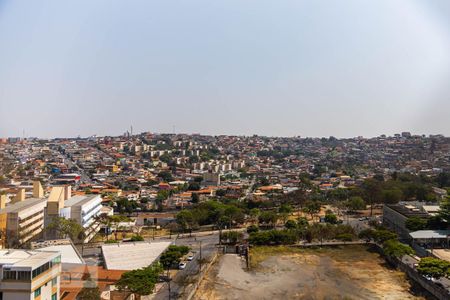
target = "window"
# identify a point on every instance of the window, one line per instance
(37, 292)
(54, 296)
(11, 275)
(54, 281)
(24, 275)
(46, 266)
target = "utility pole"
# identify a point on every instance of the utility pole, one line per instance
(200, 260)
(168, 281)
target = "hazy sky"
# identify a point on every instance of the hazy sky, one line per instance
(309, 68)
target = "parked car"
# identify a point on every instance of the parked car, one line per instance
(182, 265)
(190, 257)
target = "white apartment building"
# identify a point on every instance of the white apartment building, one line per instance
(84, 209)
(29, 275)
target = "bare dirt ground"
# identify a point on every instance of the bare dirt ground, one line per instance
(349, 272)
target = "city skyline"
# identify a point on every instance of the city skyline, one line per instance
(308, 68)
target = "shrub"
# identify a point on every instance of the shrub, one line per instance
(252, 228)
(290, 224)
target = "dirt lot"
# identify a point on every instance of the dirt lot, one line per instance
(350, 272)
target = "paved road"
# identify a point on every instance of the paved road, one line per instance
(184, 277)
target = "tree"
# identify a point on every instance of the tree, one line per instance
(321, 231)
(302, 222)
(141, 281)
(436, 223)
(285, 210)
(331, 218)
(392, 196)
(444, 211)
(231, 237)
(290, 224)
(114, 221)
(273, 237)
(194, 186)
(195, 198)
(166, 176)
(415, 223)
(66, 228)
(252, 228)
(396, 249)
(383, 235)
(268, 218)
(356, 203)
(186, 220)
(372, 191)
(312, 208)
(137, 238)
(345, 237)
(234, 213)
(170, 258)
(367, 234)
(254, 213)
(443, 179)
(433, 267)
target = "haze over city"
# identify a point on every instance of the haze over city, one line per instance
(277, 68)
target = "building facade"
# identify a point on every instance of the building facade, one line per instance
(22, 222)
(26, 274)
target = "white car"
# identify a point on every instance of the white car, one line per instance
(182, 265)
(190, 257)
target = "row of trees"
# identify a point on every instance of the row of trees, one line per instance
(300, 230)
(211, 212)
(388, 240)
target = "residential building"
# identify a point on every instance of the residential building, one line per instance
(211, 178)
(84, 210)
(22, 221)
(27, 274)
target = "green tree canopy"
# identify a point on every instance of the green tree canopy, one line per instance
(290, 224)
(356, 203)
(66, 228)
(444, 211)
(141, 281)
(434, 267)
(415, 223)
(394, 248)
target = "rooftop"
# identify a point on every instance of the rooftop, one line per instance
(25, 258)
(18, 206)
(79, 200)
(132, 256)
(430, 234)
